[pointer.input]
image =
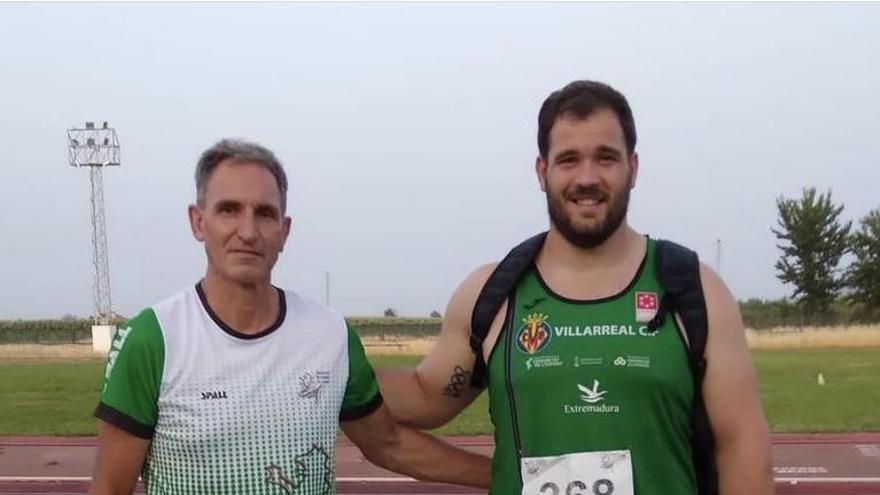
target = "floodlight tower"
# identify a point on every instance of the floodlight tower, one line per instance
(96, 148)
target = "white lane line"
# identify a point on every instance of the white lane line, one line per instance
(817, 479)
(45, 478)
(397, 479)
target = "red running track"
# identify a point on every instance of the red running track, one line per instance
(835, 464)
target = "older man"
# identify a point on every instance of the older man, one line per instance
(236, 386)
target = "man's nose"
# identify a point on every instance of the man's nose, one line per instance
(587, 173)
(247, 228)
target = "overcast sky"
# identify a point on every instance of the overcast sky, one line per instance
(408, 132)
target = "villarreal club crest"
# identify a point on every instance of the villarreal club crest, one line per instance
(534, 334)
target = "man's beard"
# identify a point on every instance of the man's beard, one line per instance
(588, 237)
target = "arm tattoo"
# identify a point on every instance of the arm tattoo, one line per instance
(456, 382)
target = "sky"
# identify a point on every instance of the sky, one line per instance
(408, 131)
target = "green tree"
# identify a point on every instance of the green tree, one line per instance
(863, 275)
(813, 240)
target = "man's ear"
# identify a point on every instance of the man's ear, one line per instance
(195, 222)
(288, 223)
(541, 171)
(633, 169)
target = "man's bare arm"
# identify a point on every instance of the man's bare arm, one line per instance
(120, 458)
(730, 392)
(415, 453)
(436, 390)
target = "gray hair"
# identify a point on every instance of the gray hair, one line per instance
(238, 151)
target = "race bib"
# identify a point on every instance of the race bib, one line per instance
(586, 473)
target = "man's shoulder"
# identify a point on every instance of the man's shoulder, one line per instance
(483, 271)
(143, 331)
(464, 298)
(183, 298)
(667, 241)
(300, 306)
(150, 319)
(474, 282)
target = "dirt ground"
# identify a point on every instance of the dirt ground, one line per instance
(389, 346)
(812, 337)
(397, 346)
(775, 339)
(59, 351)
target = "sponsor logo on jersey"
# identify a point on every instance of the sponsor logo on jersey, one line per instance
(310, 384)
(592, 401)
(646, 306)
(214, 394)
(588, 361)
(592, 395)
(534, 334)
(633, 361)
(543, 362)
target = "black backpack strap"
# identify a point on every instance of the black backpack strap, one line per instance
(495, 291)
(678, 270)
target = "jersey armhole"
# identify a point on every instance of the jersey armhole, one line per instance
(502, 332)
(363, 410)
(124, 422)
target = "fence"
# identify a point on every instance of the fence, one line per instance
(45, 331)
(79, 331)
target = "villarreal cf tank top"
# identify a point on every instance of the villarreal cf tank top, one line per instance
(571, 376)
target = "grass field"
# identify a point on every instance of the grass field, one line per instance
(48, 397)
(794, 402)
(56, 397)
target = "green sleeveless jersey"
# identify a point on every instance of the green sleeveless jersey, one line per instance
(570, 376)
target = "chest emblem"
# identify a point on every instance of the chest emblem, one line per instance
(534, 334)
(310, 385)
(646, 306)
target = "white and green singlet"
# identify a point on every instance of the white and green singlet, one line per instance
(227, 412)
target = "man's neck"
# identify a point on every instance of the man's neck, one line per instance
(619, 246)
(249, 309)
(610, 266)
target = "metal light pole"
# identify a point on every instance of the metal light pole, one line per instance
(96, 148)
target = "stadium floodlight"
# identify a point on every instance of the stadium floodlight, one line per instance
(95, 149)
